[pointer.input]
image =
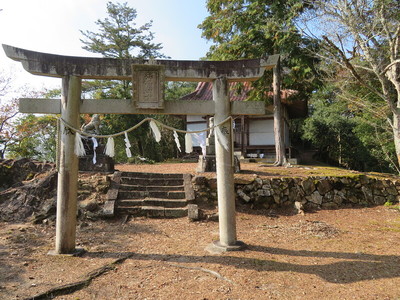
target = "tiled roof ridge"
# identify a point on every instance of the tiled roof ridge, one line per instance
(203, 91)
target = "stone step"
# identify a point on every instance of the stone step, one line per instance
(154, 211)
(130, 187)
(159, 202)
(151, 194)
(151, 175)
(151, 181)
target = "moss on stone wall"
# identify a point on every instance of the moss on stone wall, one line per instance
(312, 192)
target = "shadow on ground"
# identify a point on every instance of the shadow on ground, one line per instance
(353, 267)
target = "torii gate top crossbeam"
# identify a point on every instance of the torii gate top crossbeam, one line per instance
(44, 64)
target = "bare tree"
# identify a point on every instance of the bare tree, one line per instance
(363, 38)
(15, 130)
(8, 110)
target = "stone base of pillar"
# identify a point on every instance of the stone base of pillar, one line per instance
(77, 252)
(208, 163)
(104, 164)
(216, 247)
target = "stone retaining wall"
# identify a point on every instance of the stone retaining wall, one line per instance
(311, 192)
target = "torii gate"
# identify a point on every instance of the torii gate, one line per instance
(148, 78)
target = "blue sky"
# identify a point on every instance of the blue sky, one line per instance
(52, 26)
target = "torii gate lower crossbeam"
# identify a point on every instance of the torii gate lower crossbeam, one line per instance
(73, 69)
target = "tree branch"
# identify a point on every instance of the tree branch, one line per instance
(345, 60)
(348, 65)
(4, 121)
(397, 61)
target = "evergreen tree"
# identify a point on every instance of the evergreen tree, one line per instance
(242, 29)
(118, 36)
(347, 136)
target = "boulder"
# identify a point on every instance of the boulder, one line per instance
(324, 186)
(308, 186)
(316, 198)
(243, 196)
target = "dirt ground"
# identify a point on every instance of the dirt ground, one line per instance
(247, 169)
(330, 254)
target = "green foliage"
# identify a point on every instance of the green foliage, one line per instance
(52, 94)
(243, 29)
(141, 139)
(330, 130)
(176, 89)
(35, 138)
(118, 36)
(360, 44)
(138, 160)
(377, 137)
(345, 135)
(388, 203)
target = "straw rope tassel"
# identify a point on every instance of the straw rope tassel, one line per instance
(95, 145)
(156, 131)
(188, 143)
(178, 144)
(127, 146)
(127, 143)
(128, 152)
(79, 149)
(109, 150)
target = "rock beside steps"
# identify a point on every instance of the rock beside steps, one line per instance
(149, 194)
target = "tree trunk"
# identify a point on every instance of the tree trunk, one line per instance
(340, 149)
(396, 134)
(392, 75)
(278, 119)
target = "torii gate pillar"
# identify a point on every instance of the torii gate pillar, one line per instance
(225, 180)
(68, 168)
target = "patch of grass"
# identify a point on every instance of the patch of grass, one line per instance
(266, 169)
(330, 171)
(259, 262)
(374, 223)
(391, 229)
(392, 206)
(393, 226)
(396, 207)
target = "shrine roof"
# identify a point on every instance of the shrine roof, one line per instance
(240, 92)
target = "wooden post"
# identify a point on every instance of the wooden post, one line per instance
(242, 135)
(225, 181)
(278, 116)
(68, 168)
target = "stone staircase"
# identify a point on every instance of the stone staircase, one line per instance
(149, 194)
